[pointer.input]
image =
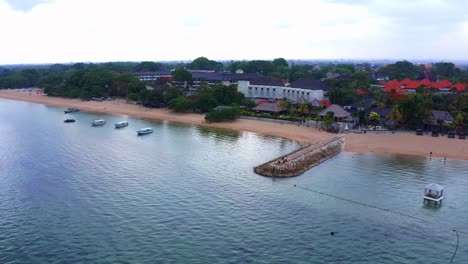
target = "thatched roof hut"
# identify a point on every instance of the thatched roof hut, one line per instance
(316, 102)
(338, 112)
(269, 108)
(300, 100)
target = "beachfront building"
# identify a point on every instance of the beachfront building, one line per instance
(154, 76)
(276, 88)
(339, 114)
(207, 77)
(271, 108)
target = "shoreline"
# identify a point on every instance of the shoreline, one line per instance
(398, 143)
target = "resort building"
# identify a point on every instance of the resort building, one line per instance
(154, 76)
(276, 88)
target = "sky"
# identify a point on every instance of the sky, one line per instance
(64, 31)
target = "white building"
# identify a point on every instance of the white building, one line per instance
(273, 88)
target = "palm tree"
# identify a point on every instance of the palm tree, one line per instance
(284, 103)
(302, 108)
(395, 115)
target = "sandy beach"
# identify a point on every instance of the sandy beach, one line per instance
(398, 143)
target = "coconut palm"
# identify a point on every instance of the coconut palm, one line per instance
(395, 115)
(284, 103)
(302, 108)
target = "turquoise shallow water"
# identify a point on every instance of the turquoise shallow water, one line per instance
(72, 193)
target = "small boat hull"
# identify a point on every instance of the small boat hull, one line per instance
(98, 123)
(121, 124)
(71, 110)
(69, 121)
(144, 131)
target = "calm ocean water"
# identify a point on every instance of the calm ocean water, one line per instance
(72, 193)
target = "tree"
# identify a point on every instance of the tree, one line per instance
(280, 62)
(148, 66)
(329, 119)
(223, 115)
(171, 94)
(180, 104)
(416, 109)
(202, 63)
(445, 70)
(401, 70)
(395, 115)
(302, 108)
(206, 101)
(284, 103)
(374, 118)
(182, 76)
(153, 98)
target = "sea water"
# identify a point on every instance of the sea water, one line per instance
(72, 193)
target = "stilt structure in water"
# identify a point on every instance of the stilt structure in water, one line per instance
(301, 160)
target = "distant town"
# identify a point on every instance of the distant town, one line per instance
(377, 95)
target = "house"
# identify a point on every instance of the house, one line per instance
(272, 108)
(339, 113)
(445, 116)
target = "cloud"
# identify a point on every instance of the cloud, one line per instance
(122, 30)
(25, 5)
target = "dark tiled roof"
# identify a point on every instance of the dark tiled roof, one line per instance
(269, 107)
(427, 75)
(444, 115)
(267, 81)
(223, 76)
(344, 77)
(309, 84)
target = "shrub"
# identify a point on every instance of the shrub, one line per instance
(222, 115)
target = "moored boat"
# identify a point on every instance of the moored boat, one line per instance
(69, 120)
(99, 122)
(121, 124)
(145, 131)
(71, 110)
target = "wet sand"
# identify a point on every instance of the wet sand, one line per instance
(399, 143)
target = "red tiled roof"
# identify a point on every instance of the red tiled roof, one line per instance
(460, 86)
(442, 84)
(361, 92)
(413, 85)
(325, 102)
(405, 81)
(425, 82)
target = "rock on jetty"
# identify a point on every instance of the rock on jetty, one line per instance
(301, 160)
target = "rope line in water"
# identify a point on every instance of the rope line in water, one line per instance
(363, 204)
(382, 209)
(456, 248)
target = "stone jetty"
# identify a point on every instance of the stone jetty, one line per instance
(301, 160)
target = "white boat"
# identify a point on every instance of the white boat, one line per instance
(71, 110)
(121, 124)
(145, 131)
(98, 122)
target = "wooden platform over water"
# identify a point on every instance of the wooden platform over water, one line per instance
(301, 160)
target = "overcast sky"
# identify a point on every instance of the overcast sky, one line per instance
(49, 31)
